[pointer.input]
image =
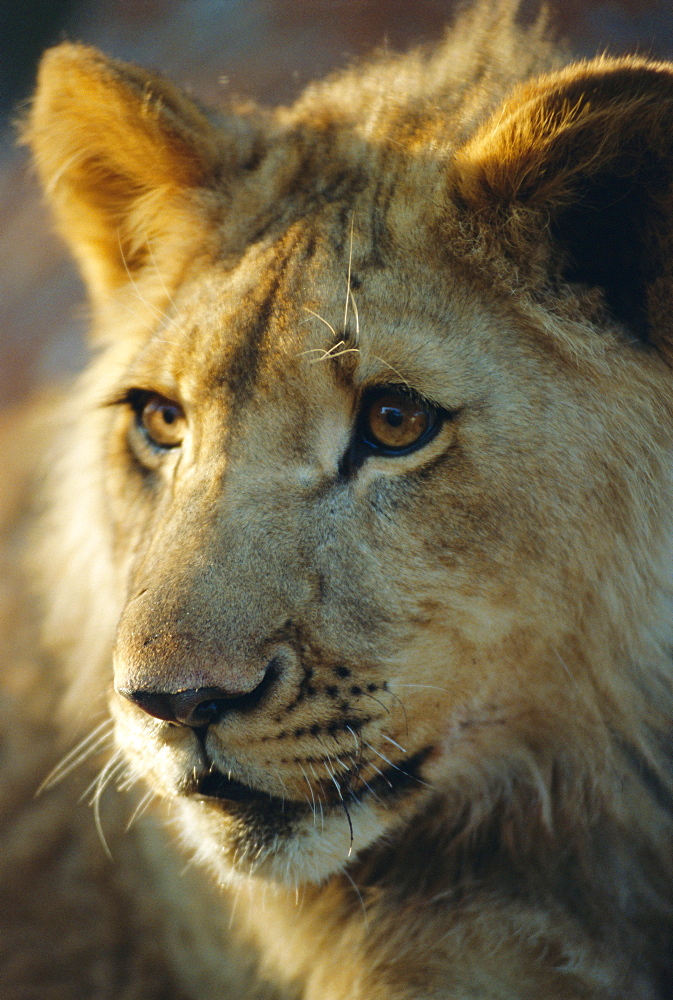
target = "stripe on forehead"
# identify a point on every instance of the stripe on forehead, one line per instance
(280, 281)
(268, 297)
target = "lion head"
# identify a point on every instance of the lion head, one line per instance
(367, 489)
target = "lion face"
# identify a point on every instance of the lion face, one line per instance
(322, 536)
(360, 447)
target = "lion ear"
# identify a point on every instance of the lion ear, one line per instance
(583, 159)
(126, 160)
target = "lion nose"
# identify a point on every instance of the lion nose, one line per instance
(197, 707)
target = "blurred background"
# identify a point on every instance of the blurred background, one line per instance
(268, 49)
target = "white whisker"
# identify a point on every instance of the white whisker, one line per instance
(158, 314)
(159, 275)
(233, 906)
(322, 320)
(428, 687)
(84, 749)
(357, 318)
(348, 278)
(358, 894)
(395, 766)
(355, 740)
(400, 377)
(141, 808)
(566, 669)
(331, 354)
(390, 740)
(382, 756)
(113, 767)
(310, 788)
(370, 789)
(381, 774)
(322, 813)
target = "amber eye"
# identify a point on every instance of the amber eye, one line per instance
(162, 420)
(393, 422)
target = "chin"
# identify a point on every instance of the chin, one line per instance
(276, 841)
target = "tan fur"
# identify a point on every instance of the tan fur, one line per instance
(445, 673)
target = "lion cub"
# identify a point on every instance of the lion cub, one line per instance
(353, 546)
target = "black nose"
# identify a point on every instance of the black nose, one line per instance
(196, 707)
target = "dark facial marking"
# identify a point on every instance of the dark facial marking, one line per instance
(306, 689)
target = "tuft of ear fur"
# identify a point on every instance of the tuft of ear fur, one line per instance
(125, 159)
(589, 152)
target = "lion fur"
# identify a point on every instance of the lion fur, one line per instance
(491, 612)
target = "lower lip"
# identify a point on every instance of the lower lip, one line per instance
(217, 786)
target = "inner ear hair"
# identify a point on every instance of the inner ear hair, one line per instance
(590, 149)
(124, 158)
(608, 239)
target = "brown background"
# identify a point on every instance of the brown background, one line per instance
(265, 48)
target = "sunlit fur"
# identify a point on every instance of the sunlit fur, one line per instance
(462, 752)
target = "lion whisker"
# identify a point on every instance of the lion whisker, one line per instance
(234, 904)
(322, 320)
(350, 826)
(95, 740)
(392, 694)
(114, 766)
(381, 774)
(394, 743)
(382, 756)
(357, 317)
(402, 379)
(378, 702)
(348, 276)
(370, 789)
(136, 314)
(310, 788)
(358, 747)
(141, 808)
(160, 276)
(317, 780)
(430, 687)
(396, 766)
(330, 354)
(159, 314)
(566, 669)
(345, 872)
(342, 765)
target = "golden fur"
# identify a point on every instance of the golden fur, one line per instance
(407, 708)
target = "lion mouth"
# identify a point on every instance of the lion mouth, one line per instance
(220, 790)
(216, 785)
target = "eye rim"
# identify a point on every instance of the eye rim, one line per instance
(367, 439)
(139, 400)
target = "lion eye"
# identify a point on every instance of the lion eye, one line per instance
(162, 420)
(394, 423)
